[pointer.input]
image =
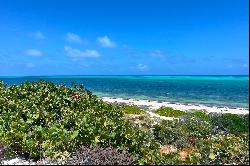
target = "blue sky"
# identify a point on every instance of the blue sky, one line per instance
(123, 37)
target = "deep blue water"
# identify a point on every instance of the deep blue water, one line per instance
(232, 91)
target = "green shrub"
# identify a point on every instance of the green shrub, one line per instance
(128, 109)
(190, 132)
(200, 114)
(171, 133)
(169, 112)
(182, 133)
(222, 149)
(230, 123)
(195, 127)
(44, 119)
(97, 155)
(238, 123)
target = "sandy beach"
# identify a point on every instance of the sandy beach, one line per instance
(152, 105)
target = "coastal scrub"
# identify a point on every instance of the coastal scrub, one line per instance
(169, 112)
(43, 119)
(132, 109)
(67, 124)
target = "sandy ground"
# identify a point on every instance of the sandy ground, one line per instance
(185, 107)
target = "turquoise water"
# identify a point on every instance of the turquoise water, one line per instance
(232, 91)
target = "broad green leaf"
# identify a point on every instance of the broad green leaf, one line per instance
(212, 156)
(97, 139)
(74, 135)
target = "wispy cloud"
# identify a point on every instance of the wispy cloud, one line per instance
(33, 52)
(142, 67)
(38, 35)
(106, 42)
(156, 53)
(136, 53)
(73, 38)
(30, 65)
(76, 53)
(245, 65)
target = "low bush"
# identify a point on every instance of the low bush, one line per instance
(222, 149)
(128, 109)
(182, 133)
(206, 147)
(169, 112)
(201, 115)
(171, 133)
(195, 127)
(238, 123)
(44, 119)
(97, 155)
(229, 123)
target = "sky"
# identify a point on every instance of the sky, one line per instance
(124, 37)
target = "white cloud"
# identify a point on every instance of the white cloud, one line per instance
(38, 35)
(106, 42)
(245, 65)
(73, 38)
(76, 53)
(142, 67)
(30, 65)
(33, 52)
(156, 53)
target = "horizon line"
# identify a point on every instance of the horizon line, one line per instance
(126, 75)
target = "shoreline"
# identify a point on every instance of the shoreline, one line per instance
(153, 105)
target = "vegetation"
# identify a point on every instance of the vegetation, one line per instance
(42, 119)
(200, 114)
(132, 109)
(169, 112)
(96, 155)
(232, 123)
(205, 146)
(3, 151)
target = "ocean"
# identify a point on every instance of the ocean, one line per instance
(230, 91)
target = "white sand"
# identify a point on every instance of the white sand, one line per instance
(155, 105)
(17, 161)
(20, 161)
